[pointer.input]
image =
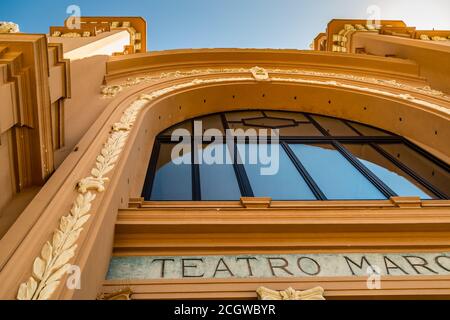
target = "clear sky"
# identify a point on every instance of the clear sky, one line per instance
(176, 24)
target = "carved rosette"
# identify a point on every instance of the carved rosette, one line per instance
(290, 294)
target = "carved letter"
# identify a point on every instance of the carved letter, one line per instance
(394, 266)
(282, 267)
(163, 265)
(360, 265)
(185, 267)
(226, 269)
(299, 263)
(250, 271)
(423, 263)
(439, 263)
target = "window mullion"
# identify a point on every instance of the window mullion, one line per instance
(380, 185)
(151, 172)
(317, 125)
(406, 169)
(304, 173)
(196, 189)
(239, 170)
(351, 127)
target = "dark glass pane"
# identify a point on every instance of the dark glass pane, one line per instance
(187, 125)
(368, 131)
(249, 130)
(335, 127)
(395, 178)
(301, 130)
(428, 170)
(283, 183)
(270, 122)
(208, 123)
(173, 181)
(238, 116)
(287, 115)
(217, 177)
(335, 176)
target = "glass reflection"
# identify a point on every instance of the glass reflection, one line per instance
(217, 177)
(336, 177)
(285, 183)
(396, 179)
(172, 181)
(430, 171)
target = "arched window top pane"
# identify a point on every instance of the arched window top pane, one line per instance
(335, 127)
(289, 123)
(318, 158)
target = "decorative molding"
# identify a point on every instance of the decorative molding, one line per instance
(53, 262)
(290, 294)
(402, 96)
(330, 83)
(71, 35)
(112, 90)
(9, 27)
(123, 294)
(426, 37)
(260, 74)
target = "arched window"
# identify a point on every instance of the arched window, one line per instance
(309, 157)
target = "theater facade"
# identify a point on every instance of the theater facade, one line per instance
(224, 173)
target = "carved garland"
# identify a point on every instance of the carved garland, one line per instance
(53, 262)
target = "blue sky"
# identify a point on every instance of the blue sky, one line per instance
(176, 24)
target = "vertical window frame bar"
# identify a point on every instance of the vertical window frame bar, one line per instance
(151, 171)
(315, 189)
(239, 170)
(439, 195)
(369, 175)
(195, 167)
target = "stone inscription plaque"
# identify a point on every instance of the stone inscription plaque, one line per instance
(288, 265)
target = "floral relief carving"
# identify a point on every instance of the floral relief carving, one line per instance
(52, 264)
(54, 260)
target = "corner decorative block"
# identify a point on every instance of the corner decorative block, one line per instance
(9, 27)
